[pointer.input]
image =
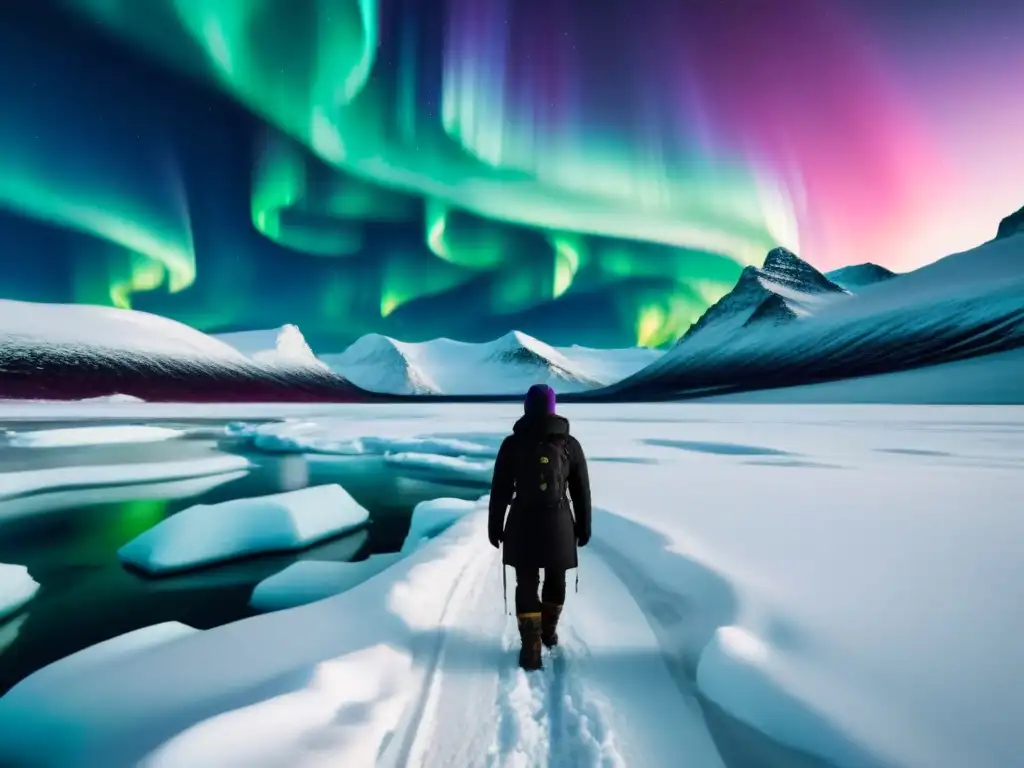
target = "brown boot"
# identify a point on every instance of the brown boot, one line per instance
(529, 633)
(549, 613)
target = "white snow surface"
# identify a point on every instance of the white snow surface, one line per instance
(83, 327)
(283, 347)
(510, 364)
(210, 533)
(94, 476)
(764, 581)
(105, 435)
(17, 587)
(308, 581)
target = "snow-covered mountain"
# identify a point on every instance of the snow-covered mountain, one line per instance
(508, 365)
(284, 348)
(859, 276)
(782, 290)
(1011, 225)
(963, 305)
(382, 364)
(74, 351)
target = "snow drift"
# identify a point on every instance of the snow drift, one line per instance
(74, 352)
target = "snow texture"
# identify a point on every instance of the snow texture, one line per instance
(210, 533)
(308, 581)
(17, 587)
(510, 364)
(767, 585)
(76, 436)
(93, 476)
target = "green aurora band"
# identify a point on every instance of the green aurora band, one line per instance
(348, 148)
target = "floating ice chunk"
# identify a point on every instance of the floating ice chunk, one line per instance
(17, 587)
(35, 480)
(210, 533)
(74, 436)
(299, 436)
(9, 630)
(114, 398)
(443, 468)
(429, 518)
(308, 581)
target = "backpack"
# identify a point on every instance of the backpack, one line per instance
(543, 472)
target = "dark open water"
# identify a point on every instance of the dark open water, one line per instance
(69, 540)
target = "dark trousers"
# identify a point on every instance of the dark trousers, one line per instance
(528, 583)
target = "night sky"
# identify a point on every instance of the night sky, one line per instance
(588, 172)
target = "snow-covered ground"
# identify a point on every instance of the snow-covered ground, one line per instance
(765, 583)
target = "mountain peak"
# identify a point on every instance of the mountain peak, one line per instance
(786, 268)
(1011, 225)
(785, 288)
(780, 258)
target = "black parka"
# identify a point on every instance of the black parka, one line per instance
(539, 538)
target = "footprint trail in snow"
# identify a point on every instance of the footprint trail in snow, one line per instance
(546, 717)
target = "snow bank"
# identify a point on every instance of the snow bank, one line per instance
(32, 481)
(17, 587)
(326, 683)
(430, 518)
(210, 533)
(308, 581)
(75, 436)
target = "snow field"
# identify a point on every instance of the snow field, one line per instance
(773, 582)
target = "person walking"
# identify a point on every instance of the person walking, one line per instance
(534, 468)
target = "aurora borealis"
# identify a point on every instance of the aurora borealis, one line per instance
(593, 173)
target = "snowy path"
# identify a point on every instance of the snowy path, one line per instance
(604, 697)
